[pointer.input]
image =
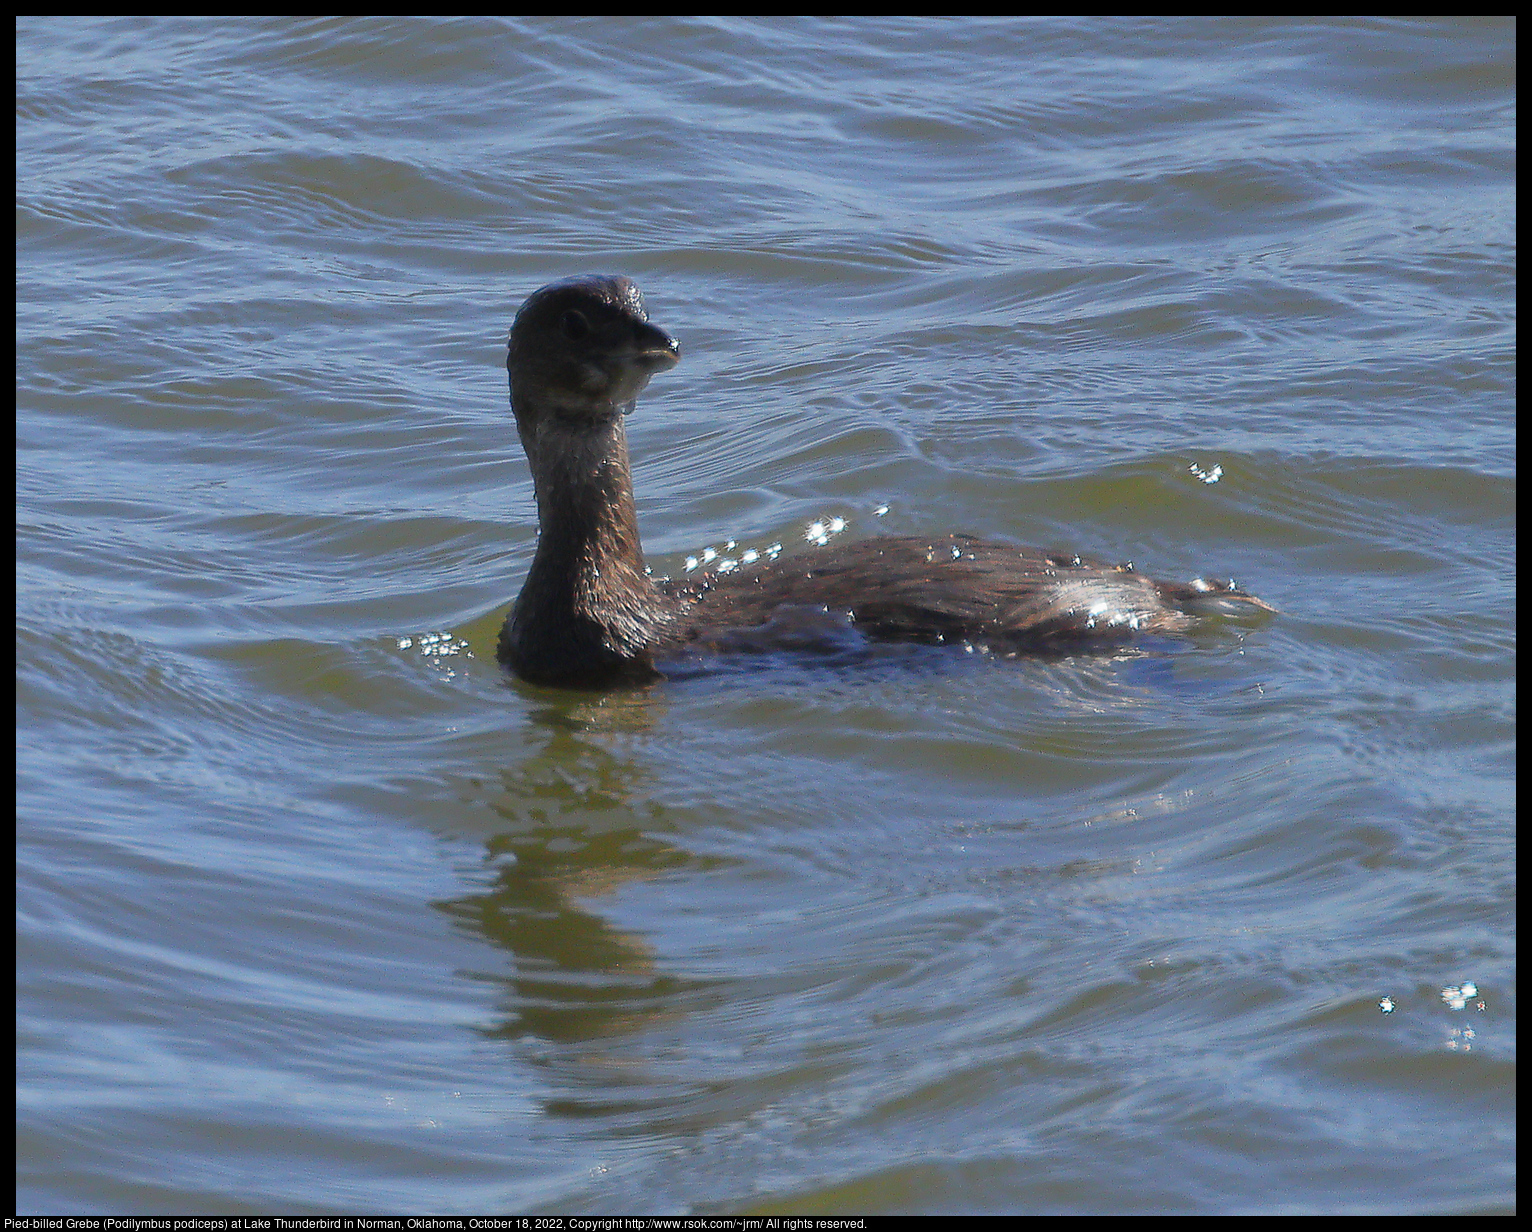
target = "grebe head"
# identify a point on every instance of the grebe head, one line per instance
(582, 350)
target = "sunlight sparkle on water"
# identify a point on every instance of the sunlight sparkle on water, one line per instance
(1457, 997)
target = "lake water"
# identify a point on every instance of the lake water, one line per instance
(321, 913)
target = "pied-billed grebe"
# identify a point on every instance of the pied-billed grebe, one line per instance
(581, 351)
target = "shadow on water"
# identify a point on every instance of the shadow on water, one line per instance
(575, 817)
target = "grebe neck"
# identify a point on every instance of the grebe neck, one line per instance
(587, 524)
(587, 598)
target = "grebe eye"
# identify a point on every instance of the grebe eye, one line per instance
(574, 325)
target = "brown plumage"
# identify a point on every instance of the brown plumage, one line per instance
(581, 351)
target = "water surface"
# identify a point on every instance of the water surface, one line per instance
(319, 913)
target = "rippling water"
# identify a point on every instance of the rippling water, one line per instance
(320, 913)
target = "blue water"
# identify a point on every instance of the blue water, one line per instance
(318, 912)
